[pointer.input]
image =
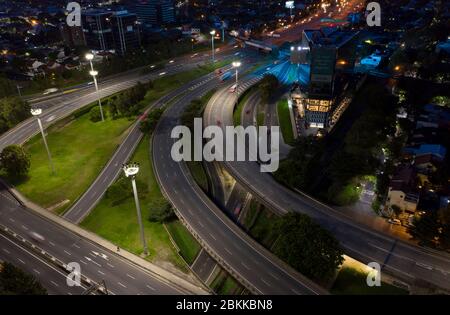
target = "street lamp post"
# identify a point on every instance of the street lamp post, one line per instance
(236, 65)
(213, 33)
(36, 112)
(131, 171)
(94, 74)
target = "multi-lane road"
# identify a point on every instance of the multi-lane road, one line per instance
(362, 242)
(22, 221)
(97, 263)
(255, 267)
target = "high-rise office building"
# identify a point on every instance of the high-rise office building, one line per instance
(107, 30)
(97, 29)
(125, 31)
(325, 51)
(154, 12)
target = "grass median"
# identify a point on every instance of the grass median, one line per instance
(118, 222)
(81, 148)
(284, 119)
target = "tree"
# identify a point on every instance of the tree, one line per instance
(12, 111)
(15, 161)
(121, 190)
(14, 281)
(268, 86)
(94, 114)
(7, 87)
(307, 247)
(161, 211)
(150, 122)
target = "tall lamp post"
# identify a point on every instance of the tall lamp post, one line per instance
(94, 74)
(236, 65)
(131, 171)
(213, 33)
(36, 112)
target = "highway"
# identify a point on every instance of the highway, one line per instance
(53, 279)
(59, 106)
(12, 212)
(97, 263)
(255, 267)
(359, 241)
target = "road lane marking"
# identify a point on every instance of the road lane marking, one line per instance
(265, 282)
(6, 251)
(130, 276)
(21, 261)
(54, 283)
(122, 285)
(36, 271)
(67, 253)
(101, 272)
(151, 288)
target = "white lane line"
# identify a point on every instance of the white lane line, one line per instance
(54, 283)
(228, 251)
(51, 243)
(67, 253)
(265, 282)
(6, 251)
(75, 245)
(273, 276)
(213, 237)
(112, 266)
(295, 291)
(151, 288)
(101, 272)
(12, 220)
(130, 276)
(122, 285)
(21, 261)
(24, 227)
(245, 266)
(37, 271)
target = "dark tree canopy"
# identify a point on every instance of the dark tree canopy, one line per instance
(14, 161)
(307, 247)
(12, 111)
(14, 281)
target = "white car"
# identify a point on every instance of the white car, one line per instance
(37, 237)
(50, 91)
(395, 221)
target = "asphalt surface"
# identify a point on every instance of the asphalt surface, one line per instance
(51, 278)
(90, 198)
(253, 265)
(122, 279)
(359, 241)
(61, 106)
(121, 276)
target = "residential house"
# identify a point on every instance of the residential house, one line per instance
(403, 190)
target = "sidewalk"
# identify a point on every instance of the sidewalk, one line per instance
(185, 284)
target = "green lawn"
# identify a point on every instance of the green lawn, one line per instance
(343, 195)
(237, 113)
(260, 118)
(91, 146)
(80, 149)
(262, 229)
(284, 119)
(199, 174)
(189, 247)
(224, 284)
(353, 282)
(118, 223)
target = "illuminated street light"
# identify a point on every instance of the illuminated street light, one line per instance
(213, 32)
(37, 112)
(94, 74)
(131, 171)
(236, 65)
